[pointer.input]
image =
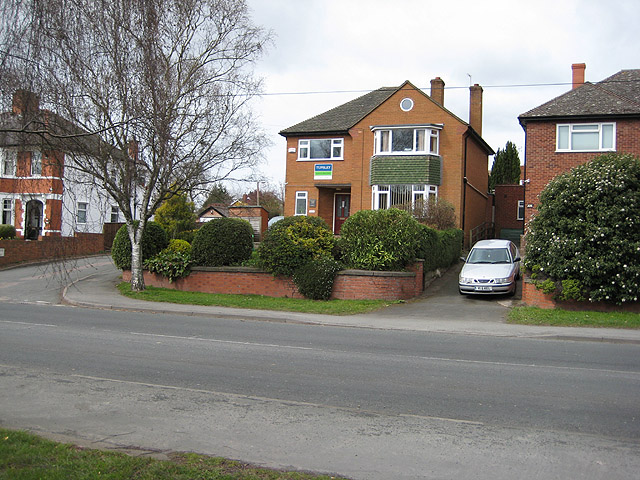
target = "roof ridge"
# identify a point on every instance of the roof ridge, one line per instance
(604, 83)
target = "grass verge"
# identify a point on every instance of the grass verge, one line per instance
(566, 318)
(26, 456)
(259, 302)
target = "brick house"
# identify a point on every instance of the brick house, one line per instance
(39, 196)
(509, 211)
(391, 146)
(590, 119)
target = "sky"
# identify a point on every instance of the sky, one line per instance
(327, 52)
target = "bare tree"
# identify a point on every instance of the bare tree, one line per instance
(154, 93)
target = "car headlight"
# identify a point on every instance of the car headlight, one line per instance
(502, 280)
(466, 280)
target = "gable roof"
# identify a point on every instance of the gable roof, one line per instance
(343, 117)
(618, 95)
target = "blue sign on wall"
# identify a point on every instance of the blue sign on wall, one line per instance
(323, 171)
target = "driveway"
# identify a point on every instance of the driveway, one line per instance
(441, 301)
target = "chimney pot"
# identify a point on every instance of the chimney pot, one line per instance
(578, 74)
(437, 91)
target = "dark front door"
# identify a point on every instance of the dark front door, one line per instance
(341, 213)
(34, 220)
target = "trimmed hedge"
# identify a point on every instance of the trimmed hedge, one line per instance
(380, 239)
(154, 240)
(315, 279)
(294, 241)
(430, 248)
(222, 242)
(451, 246)
(7, 231)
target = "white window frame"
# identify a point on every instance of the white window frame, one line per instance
(115, 211)
(520, 212)
(8, 157)
(5, 210)
(82, 207)
(36, 160)
(383, 140)
(379, 192)
(571, 129)
(302, 196)
(304, 149)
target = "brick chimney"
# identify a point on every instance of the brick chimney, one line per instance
(25, 101)
(437, 90)
(578, 74)
(475, 108)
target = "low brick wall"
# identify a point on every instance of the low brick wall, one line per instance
(349, 284)
(50, 248)
(536, 298)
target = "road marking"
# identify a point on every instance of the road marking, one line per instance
(215, 340)
(28, 323)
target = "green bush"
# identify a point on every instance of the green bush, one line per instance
(450, 246)
(294, 241)
(221, 242)
(170, 264)
(588, 228)
(7, 231)
(187, 236)
(154, 240)
(380, 239)
(430, 248)
(178, 246)
(315, 279)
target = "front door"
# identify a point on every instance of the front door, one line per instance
(33, 225)
(341, 211)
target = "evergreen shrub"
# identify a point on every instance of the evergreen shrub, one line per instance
(179, 246)
(315, 278)
(450, 246)
(430, 248)
(587, 229)
(7, 231)
(154, 240)
(380, 239)
(294, 241)
(222, 242)
(170, 264)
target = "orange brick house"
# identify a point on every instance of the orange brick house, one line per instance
(590, 119)
(392, 146)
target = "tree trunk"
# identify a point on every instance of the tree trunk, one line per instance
(137, 278)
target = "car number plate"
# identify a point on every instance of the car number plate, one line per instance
(483, 289)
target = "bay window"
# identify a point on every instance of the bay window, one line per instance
(7, 211)
(585, 137)
(406, 140)
(416, 196)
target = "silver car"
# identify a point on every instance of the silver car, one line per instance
(492, 267)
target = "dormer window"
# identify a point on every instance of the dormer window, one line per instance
(406, 140)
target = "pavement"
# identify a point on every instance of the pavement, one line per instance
(438, 310)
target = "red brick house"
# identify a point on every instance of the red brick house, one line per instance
(590, 119)
(392, 146)
(509, 212)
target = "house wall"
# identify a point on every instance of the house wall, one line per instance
(352, 175)
(543, 163)
(506, 207)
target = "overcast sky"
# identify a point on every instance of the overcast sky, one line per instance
(519, 51)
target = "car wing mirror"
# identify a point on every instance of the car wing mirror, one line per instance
(463, 259)
(517, 259)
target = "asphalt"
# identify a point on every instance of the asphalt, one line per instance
(436, 311)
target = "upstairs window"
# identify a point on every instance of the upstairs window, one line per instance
(586, 137)
(36, 164)
(406, 140)
(320, 149)
(8, 163)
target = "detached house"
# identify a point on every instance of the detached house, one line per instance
(392, 146)
(39, 194)
(590, 119)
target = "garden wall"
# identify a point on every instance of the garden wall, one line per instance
(536, 298)
(18, 250)
(349, 284)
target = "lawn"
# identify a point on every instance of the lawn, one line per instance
(259, 302)
(25, 456)
(565, 318)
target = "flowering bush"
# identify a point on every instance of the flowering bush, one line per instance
(588, 230)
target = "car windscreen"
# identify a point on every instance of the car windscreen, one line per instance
(489, 255)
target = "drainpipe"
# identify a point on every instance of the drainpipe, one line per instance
(464, 183)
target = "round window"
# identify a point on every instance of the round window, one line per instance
(406, 104)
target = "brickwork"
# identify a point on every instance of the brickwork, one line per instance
(506, 203)
(543, 162)
(349, 284)
(536, 298)
(50, 248)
